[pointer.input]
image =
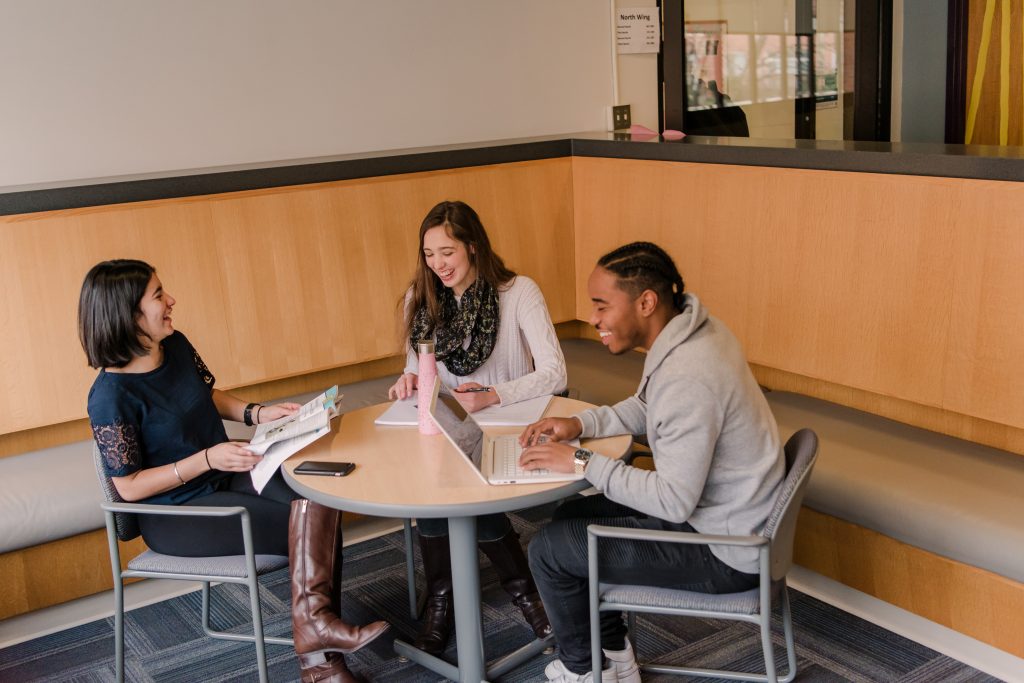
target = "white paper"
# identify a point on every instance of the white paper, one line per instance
(517, 414)
(278, 453)
(312, 416)
(637, 30)
(400, 413)
(278, 440)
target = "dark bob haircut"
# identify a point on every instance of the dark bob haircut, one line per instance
(108, 310)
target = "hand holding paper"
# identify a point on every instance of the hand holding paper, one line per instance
(282, 438)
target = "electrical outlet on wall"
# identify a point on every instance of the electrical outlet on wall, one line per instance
(619, 117)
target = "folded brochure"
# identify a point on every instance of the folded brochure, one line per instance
(278, 440)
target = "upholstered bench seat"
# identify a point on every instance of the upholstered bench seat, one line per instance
(951, 497)
(52, 493)
(46, 495)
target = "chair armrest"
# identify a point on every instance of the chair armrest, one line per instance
(110, 508)
(186, 511)
(598, 530)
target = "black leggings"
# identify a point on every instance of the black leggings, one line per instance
(214, 536)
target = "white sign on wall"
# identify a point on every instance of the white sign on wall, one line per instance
(637, 30)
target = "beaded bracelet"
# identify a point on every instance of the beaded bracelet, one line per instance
(247, 414)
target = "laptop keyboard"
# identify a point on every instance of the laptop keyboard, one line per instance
(506, 460)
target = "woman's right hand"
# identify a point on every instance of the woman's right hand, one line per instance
(232, 456)
(404, 387)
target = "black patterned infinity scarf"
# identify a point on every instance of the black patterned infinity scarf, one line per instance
(476, 317)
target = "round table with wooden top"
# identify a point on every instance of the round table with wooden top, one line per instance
(402, 473)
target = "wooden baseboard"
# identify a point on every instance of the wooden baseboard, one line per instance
(55, 572)
(977, 603)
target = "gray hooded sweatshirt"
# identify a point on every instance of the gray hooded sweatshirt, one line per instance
(718, 458)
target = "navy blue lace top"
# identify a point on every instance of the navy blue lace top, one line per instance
(148, 419)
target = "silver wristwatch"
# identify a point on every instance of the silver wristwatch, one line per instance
(581, 457)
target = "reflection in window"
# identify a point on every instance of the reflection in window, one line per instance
(771, 79)
(743, 61)
(749, 68)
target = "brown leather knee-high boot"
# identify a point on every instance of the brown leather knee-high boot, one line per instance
(314, 556)
(509, 561)
(439, 611)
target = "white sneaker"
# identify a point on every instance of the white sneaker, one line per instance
(557, 673)
(624, 663)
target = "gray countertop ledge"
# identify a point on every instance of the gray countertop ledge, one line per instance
(954, 161)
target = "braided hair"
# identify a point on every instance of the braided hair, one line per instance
(643, 265)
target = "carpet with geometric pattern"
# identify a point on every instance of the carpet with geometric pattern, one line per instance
(164, 642)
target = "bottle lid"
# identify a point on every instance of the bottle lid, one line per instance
(425, 346)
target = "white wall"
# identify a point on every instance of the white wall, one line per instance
(638, 80)
(95, 88)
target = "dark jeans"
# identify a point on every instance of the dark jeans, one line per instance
(488, 527)
(212, 536)
(558, 559)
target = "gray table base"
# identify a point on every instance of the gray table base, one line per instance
(469, 639)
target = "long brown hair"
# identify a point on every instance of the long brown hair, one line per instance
(461, 222)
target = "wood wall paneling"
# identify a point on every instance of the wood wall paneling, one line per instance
(994, 103)
(55, 572)
(900, 286)
(972, 601)
(271, 283)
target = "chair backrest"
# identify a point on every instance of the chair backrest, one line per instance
(801, 453)
(125, 524)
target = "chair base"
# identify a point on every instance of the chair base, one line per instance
(230, 635)
(713, 673)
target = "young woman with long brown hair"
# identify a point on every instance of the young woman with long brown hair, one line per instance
(493, 333)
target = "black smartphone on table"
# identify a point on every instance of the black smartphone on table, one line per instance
(325, 469)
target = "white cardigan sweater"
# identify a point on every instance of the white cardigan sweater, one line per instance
(527, 360)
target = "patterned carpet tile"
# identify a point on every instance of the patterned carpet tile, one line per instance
(165, 642)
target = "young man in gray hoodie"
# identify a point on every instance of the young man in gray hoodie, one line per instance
(716, 448)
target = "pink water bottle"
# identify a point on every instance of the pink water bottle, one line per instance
(425, 386)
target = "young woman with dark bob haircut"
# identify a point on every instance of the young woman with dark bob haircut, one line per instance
(157, 420)
(491, 328)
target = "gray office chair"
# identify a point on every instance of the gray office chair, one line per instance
(245, 569)
(775, 546)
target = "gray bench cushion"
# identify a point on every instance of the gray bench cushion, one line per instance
(48, 494)
(53, 493)
(951, 497)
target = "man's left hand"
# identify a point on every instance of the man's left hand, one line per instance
(552, 456)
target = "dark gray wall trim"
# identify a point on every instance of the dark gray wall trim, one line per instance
(299, 172)
(957, 161)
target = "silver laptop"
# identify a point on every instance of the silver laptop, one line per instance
(494, 458)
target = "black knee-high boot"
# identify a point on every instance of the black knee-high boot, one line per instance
(509, 561)
(439, 611)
